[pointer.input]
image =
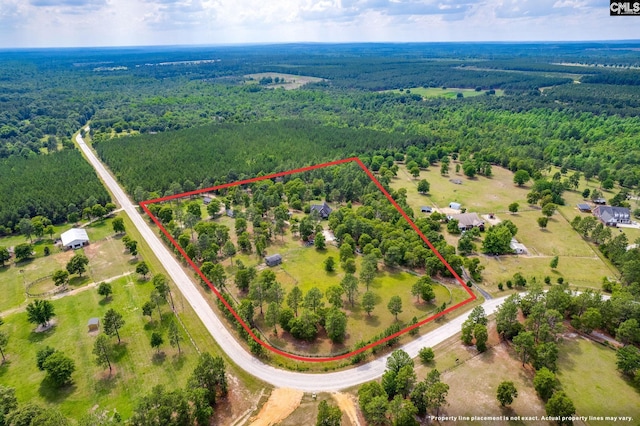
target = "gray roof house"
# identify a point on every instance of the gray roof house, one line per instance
(323, 209)
(612, 216)
(273, 260)
(468, 220)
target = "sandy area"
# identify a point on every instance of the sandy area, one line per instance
(347, 405)
(282, 402)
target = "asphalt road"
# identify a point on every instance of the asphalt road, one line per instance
(308, 382)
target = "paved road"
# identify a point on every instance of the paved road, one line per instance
(321, 382)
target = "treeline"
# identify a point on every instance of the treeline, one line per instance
(52, 186)
(216, 154)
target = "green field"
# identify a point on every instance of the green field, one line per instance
(449, 92)
(587, 372)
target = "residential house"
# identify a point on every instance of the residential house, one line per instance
(612, 216)
(323, 210)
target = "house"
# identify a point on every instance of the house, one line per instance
(323, 209)
(468, 221)
(518, 248)
(273, 260)
(206, 200)
(612, 216)
(583, 207)
(74, 238)
(455, 206)
(93, 324)
(425, 209)
(601, 201)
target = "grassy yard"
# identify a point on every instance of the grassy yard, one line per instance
(449, 92)
(587, 372)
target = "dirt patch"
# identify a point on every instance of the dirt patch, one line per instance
(237, 406)
(287, 81)
(347, 405)
(41, 329)
(280, 405)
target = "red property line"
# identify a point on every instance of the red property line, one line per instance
(267, 346)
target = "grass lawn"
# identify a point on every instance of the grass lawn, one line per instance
(449, 92)
(137, 366)
(587, 372)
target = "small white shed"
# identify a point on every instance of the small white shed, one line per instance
(74, 238)
(455, 206)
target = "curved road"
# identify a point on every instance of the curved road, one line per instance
(307, 382)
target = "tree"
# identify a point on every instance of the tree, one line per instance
(628, 332)
(313, 299)
(329, 264)
(305, 325)
(42, 355)
(294, 298)
(103, 351)
(78, 264)
(8, 403)
(521, 177)
(423, 186)
(549, 209)
(40, 312)
(368, 302)
(213, 208)
(506, 393)
(272, 315)
(481, 335)
(60, 278)
(142, 268)
(98, 211)
(513, 207)
(561, 406)
(334, 295)
(118, 225)
(105, 290)
(554, 262)
(542, 222)
(349, 266)
(628, 360)
(147, 309)
(545, 383)
(112, 323)
(59, 368)
(350, 285)
(426, 355)
(395, 306)
(328, 415)
(437, 396)
(4, 255)
(498, 239)
(174, 335)
(336, 325)
(210, 375)
(319, 241)
(4, 339)
(469, 170)
(26, 228)
(156, 340)
(368, 269)
(23, 251)
(525, 345)
(132, 246)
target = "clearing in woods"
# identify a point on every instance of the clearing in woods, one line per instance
(281, 403)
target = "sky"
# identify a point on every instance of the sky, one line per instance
(76, 23)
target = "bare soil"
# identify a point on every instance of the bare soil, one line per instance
(280, 405)
(347, 405)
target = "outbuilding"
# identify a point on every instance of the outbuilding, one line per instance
(425, 209)
(93, 324)
(455, 206)
(273, 260)
(584, 207)
(74, 238)
(518, 248)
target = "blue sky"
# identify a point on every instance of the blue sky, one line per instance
(46, 23)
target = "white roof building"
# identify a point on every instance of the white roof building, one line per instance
(74, 238)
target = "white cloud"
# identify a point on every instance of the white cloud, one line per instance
(139, 22)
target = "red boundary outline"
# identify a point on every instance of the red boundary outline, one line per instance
(357, 160)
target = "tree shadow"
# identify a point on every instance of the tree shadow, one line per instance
(119, 350)
(106, 384)
(159, 358)
(178, 361)
(372, 321)
(105, 301)
(35, 337)
(53, 393)
(78, 281)
(4, 366)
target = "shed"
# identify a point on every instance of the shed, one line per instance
(601, 201)
(455, 206)
(206, 200)
(273, 260)
(456, 181)
(584, 207)
(230, 213)
(518, 248)
(426, 209)
(74, 238)
(93, 324)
